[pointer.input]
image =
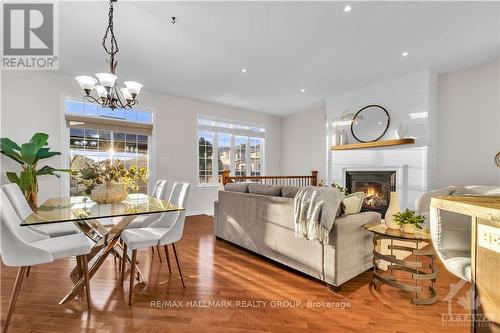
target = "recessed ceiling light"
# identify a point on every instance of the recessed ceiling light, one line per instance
(243, 70)
(404, 54)
(347, 9)
(302, 90)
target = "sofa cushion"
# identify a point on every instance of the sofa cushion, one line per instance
(265, 189)
(289, 191)
(236, 187)
(353, 202)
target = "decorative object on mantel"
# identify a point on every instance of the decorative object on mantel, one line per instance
(28, 155)
(336, 136)
(399, 132)
(370, 123)
(392, 210)
(497, 159)
(409, 220)
(106, 181)
(108, 93)
(343, 138)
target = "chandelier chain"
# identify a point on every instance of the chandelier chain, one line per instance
(113, 44)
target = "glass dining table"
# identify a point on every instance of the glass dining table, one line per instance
(85, 214)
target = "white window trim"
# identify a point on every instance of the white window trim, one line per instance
(248, 134)
(65, 146)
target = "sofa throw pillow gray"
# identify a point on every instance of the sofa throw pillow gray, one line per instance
(236, 187)
(265, 189)
(289, 191)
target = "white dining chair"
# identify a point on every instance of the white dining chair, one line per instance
(22, 247)
(23, 210)
(161, 232)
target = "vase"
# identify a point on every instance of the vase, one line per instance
(343, 138)
(32, 198)
(336, 137)
(409, 228)
(399, 132)
(111, 192)
(391, 210)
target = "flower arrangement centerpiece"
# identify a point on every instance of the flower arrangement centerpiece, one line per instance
(106, 181)
(341, 188)
(409, 220)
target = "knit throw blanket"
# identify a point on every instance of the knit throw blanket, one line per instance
(315, 211)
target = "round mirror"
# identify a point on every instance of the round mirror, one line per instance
(370, 123)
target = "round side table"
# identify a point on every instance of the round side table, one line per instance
(420, 271)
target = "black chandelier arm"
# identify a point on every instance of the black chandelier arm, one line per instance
(90, 98)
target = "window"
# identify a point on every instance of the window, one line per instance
(229, 146)
(95, 138)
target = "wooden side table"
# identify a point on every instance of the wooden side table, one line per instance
(419, 271)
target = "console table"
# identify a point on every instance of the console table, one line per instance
(420, 271)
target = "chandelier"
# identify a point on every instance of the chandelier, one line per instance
(108, 93)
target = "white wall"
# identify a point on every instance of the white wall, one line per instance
(402, 97)
(469, 126)
(31, 101)
(303, 143)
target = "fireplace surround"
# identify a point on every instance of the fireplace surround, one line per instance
(377, 186)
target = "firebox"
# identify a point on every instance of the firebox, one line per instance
(377, 186)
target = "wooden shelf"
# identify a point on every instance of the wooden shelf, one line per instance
(363, 145)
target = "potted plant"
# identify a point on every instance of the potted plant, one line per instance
(28, 155)
(106, 181)
(409, 220)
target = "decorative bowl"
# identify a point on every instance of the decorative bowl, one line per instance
(108, 193)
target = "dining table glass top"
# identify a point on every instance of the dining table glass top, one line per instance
(82, 208)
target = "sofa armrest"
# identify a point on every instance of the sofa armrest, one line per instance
(349, 223)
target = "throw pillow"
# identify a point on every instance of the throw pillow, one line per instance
(265, 189)
(236, 187)
(289, 191)
(352, 203)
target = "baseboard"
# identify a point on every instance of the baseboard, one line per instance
(209, 212)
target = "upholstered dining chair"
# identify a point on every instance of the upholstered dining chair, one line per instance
(451, 232)
(161, 232)
(22, 247)
(159, 192)
(23, 210)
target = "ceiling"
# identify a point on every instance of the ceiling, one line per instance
(285, 46)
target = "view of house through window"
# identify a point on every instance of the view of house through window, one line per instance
(89, 144)
(229, 146)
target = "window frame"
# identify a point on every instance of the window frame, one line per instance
(232, 156)
(65, 143)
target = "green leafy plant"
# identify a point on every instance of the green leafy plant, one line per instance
(409, 216)
(94, 174)
(28, 155)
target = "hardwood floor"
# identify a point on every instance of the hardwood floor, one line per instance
(215, 270)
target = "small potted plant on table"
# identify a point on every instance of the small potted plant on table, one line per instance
(409, 220)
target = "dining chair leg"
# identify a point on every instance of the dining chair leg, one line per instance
(124, 261)
(28, 271)
(84, 260)
(168, 258)
(153, 251)
(13, 298)
(178, 264)
(158, 251)
(132, 268)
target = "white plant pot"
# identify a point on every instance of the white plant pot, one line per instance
(409, 228)
(391, 210)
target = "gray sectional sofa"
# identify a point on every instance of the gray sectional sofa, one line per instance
(260, 218)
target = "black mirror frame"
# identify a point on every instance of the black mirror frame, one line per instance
(370, 106)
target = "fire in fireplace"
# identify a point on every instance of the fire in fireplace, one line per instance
(377, 186)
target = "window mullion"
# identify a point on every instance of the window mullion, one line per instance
(215, 158)
(247, 157)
